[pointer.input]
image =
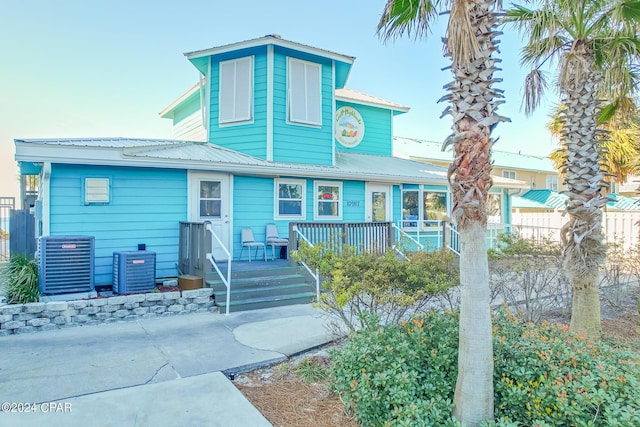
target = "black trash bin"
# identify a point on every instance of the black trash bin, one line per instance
(283, 252)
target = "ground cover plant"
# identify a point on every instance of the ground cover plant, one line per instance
(405, 375)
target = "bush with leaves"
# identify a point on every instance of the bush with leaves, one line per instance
(399, 374)
(404, 375)
(22, 280)
(527, 276)
(357, 283)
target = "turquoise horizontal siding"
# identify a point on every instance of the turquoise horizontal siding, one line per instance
(377, 130)
(253, 207)
(146, 206)
(249, 138)
(299, 143)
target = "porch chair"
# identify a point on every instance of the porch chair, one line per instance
(274, 240)
(249, 241)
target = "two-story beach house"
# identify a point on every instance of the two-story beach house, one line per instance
(271, 134)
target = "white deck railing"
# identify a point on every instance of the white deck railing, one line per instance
(316, 274)
(226, 280)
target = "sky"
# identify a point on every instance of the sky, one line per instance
(78, 68)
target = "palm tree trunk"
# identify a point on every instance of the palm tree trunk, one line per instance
(584, 250)
(472, 104)
(473, 398)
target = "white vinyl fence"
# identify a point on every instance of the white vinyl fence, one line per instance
(621, 227)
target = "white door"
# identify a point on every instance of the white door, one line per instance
(378, 203)
(209, 201)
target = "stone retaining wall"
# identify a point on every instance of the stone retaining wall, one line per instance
(44, 316)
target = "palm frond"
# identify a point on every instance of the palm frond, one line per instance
(462, 44)
(411, 17)
(535, 85)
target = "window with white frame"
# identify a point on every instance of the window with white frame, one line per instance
(328, 200)
(304, 95)
(96, 190)
(509, 174)
(421, 206)
(290, 198)
(552, 182)
(236, 91)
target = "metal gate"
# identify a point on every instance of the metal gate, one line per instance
(7, 204)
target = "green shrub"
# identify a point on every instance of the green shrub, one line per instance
(22, 280)
(399, 374)
(548, 377)
(358, 283)
(312, 369)
(544, 376)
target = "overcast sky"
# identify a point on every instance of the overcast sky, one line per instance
(78, 68)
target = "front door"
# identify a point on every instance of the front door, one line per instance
(378, 203)
(209, 201)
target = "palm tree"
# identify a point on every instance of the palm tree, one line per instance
(596, 46)
(620, 145)
(470, 43)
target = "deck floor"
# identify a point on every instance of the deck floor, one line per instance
(255, 265)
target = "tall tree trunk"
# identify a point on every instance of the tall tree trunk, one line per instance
(472, 104)
(584, 250)
(474, 387)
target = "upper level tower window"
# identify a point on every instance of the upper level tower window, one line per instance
(236, 90)
(304, 95)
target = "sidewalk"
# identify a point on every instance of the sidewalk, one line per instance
(163, 371)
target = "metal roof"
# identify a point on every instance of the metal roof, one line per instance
(207, 156)
(551, 199)
(268, 39)
(622, 203)
(362, 98)
(518, 202)
(432, 150)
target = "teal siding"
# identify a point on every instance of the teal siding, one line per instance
(353, 190)
(377, 130)
(299, 143)
(397, 204)
(145, 206)
(252, 207)
(249, 138)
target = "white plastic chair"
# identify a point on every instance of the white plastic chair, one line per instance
(248, 241)
(274, 240)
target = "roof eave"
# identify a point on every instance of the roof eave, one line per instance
(265, 41)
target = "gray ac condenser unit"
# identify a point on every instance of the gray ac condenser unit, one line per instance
(65, 264)
(134, 271)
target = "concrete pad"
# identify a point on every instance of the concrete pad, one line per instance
(204, 400)
(70, 362)
(288, 336)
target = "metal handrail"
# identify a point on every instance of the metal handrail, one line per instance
(403, 233)
(315, 275)
(453, 243)
(227, 280)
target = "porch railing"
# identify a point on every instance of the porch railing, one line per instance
(374, 237)
(316, 274)
(197, 241)
(226, 280)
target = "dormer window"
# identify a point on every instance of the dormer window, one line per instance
(236, 91)
(304, 96)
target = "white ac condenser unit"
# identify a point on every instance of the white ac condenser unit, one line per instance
(65, 264)
(134, 271)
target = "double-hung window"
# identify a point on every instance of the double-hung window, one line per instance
(290, 199)
(304, 95)
(552, 182)
(328, 200)
(509, 174)
(236, 91)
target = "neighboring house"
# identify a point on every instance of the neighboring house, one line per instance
(274, 137)
(537, 171)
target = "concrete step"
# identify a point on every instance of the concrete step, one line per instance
(252, 282)
(261, 272)
(267, 302)
(263, 291)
